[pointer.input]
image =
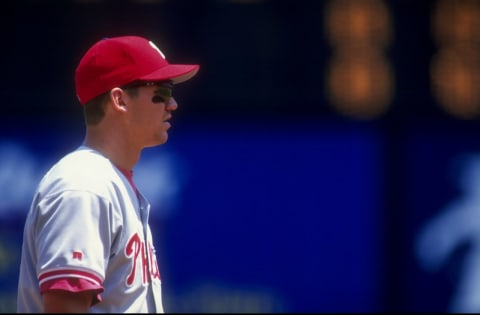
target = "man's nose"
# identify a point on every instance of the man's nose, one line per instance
(172, 104)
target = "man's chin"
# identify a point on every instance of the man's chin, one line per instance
(157, 142)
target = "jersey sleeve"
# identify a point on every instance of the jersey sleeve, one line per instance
(74, 231)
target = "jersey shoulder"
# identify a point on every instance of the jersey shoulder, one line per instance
(83, 169)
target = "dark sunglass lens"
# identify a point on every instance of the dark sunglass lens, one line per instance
(162, 94)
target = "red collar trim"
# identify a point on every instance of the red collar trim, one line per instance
(129, 175)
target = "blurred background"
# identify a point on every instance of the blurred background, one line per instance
(326, 158)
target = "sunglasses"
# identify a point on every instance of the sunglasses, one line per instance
(163, 91)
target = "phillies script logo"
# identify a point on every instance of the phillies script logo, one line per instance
(136, 250)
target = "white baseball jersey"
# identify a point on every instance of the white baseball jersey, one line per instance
(87, 228)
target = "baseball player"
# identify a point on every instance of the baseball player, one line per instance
(87, 244)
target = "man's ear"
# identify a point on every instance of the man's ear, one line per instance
(117, 96)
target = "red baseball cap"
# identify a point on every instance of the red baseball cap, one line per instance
(117, 61)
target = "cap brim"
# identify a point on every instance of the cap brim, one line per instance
(176, 73)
